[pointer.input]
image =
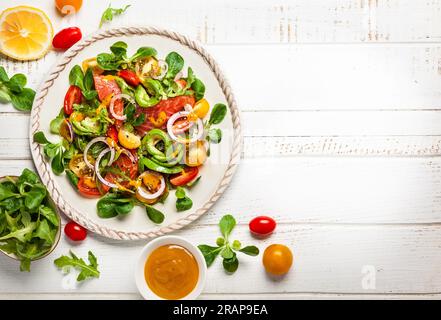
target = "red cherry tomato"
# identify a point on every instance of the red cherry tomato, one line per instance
(112, 133)
(75, 232)
(130, 77)
(262, 225)
(66, 38)
(185, 177)
(73, 96)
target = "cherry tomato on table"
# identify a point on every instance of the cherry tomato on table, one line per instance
(73, 96)
(66, 38)
(130, 77)
(262, 225)
(74, 231)
(187, 175)
(277, 259)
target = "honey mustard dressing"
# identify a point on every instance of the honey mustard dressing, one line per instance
(171, 272)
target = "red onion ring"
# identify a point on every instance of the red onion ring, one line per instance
(93, 141)
(112, 104)
(178, 115)
(97, 169)
(150, 196)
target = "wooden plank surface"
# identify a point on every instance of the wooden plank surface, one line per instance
(326, 190)
(328, 259)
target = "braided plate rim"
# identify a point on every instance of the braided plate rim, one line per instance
(44, 169)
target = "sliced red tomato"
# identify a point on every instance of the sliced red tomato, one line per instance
(112, 133)
(130, 77)
(106, 86)
(86, 190)
(125, 165)
(73, 96)
(169, 106)
(184, 177)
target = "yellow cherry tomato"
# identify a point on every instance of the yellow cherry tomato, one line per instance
(79, 167)
(93, 64)
(201, 108)
(277, 259)
(68, 6)
(128, 140)
(196, 154)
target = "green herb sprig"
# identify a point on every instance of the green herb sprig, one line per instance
(13, 90)
(110, 12)
(87, 270)
(226, 249)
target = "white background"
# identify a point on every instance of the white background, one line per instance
(340, 104)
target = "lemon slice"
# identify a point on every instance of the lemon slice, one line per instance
(25, 33)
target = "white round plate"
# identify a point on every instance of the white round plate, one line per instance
(216, 172)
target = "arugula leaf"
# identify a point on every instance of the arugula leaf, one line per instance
(3, 75)
(87, 270)
(154, 214)
(110, 12)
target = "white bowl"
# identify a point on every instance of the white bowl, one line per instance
(141, 283)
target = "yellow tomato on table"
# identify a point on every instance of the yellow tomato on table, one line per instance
(68, 6)
(277, 259)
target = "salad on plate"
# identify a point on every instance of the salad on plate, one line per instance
(133, 128)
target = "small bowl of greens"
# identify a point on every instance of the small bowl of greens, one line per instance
(29, 221)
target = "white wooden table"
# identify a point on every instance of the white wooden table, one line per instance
(341, 106)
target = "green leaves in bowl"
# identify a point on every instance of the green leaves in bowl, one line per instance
(29, 224)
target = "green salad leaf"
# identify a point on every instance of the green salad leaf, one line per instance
(87, 270)
(183, 202)
(228, 251)
(114, 204)
(14, 91)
